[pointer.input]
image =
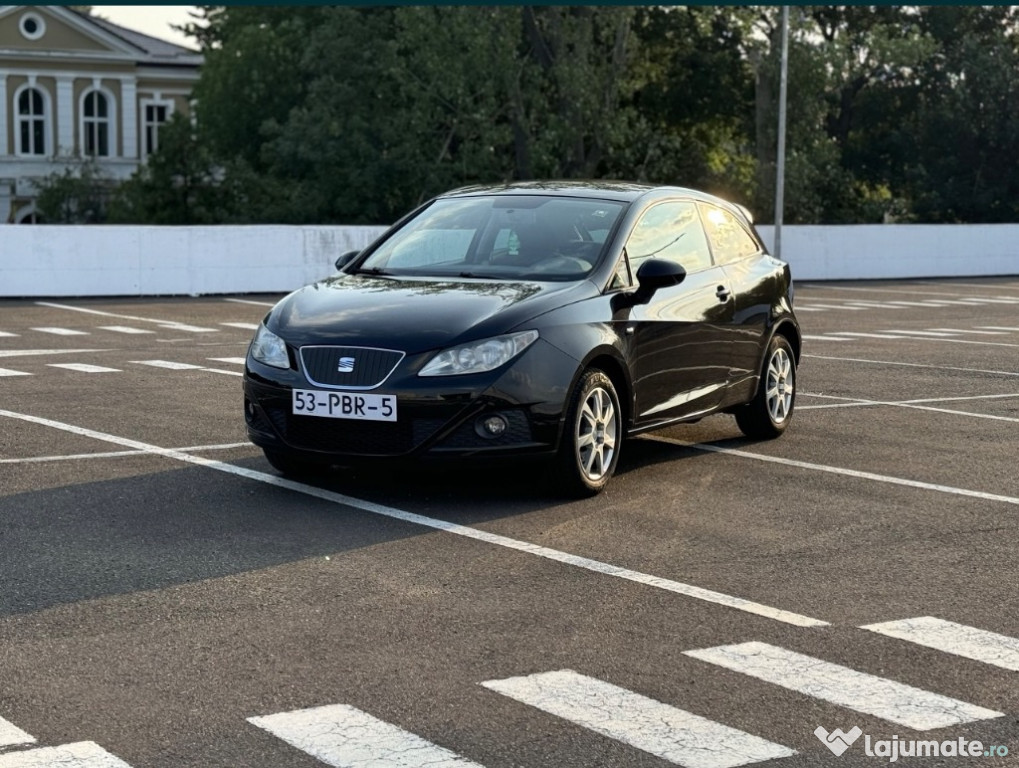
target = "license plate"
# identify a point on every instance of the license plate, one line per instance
(344, 405)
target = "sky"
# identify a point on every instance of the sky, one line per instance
(153, 20)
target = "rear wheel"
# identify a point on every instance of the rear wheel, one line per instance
(769, 413)
(589, 450)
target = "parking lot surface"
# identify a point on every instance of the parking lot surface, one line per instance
(169, 600)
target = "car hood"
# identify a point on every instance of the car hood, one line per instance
(414, 314)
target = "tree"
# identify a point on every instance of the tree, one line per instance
(79, 194)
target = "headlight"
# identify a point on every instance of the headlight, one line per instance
(479, 356)
(269, 348)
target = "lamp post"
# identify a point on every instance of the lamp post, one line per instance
(780, 160)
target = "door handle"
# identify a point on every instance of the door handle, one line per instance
(723, 293)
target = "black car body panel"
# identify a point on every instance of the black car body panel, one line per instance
(676, 353)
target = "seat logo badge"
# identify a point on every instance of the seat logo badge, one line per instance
(346, 365)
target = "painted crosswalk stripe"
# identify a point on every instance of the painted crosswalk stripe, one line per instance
(896, 702)
(168, 364)
(10, 735)
(82, 754)
(662, 730)
(9, 372)
(124, 329)
(61, 331)
(84, 367)
(957, 639)
(233, 360)
(345, 737)
(242, 326)
(7, 335)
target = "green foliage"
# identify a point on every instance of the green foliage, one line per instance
(357, 114)
(79, 194)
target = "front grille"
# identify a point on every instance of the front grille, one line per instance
(346, 436)
(349, 367)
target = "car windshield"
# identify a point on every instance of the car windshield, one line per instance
(520, 237)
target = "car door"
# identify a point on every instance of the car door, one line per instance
(752, 278)
(677, 338)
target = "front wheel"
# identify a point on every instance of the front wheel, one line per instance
(769, 413)
(589, 450)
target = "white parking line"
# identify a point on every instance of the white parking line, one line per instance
(9, 372)
(168, 324)
(82, 754)
(61, 331)
(249, 301)
(889, 700)
(168, 364)
(969, 330)
(957, 639)
(10, 735)
(824, 338)
(38, 352)
(871, 335)
(855, 473)
(912, 365)
(233, 360)
(124, 329)
(345, 737)
(997, 328)
(7, 335)
(662, 730)
(943, 339)
(688, 590)
(920, 333)
(117, 454)
(856, 402)
(83, 367)
(242, 326)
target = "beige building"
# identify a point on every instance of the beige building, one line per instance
(75, 86)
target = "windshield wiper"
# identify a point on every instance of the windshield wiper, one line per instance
(372, 271)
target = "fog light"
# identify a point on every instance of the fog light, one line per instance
(490, 426)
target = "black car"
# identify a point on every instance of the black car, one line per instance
(540, 318)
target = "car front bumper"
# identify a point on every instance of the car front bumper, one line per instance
(436, 416)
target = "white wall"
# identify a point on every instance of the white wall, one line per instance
(880, 251)
(96, 260)
(57, 260)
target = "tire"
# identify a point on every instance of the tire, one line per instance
(768, 415)
(589, 449)
(286, 464)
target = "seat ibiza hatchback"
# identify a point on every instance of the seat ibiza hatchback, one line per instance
(550, 319)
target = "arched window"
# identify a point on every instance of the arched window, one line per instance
(32, 120)
(96, 124)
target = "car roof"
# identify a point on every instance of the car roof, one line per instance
(622, 191)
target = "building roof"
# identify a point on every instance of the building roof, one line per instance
(155, 50)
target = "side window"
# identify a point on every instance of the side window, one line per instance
(672, 231)
(729, 240)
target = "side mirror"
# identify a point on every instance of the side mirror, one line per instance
(345, 259)
(658, 273)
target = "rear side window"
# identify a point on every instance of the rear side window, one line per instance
(672, 231)
(730, 242)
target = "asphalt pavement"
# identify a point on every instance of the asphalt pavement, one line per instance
(167, 600)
